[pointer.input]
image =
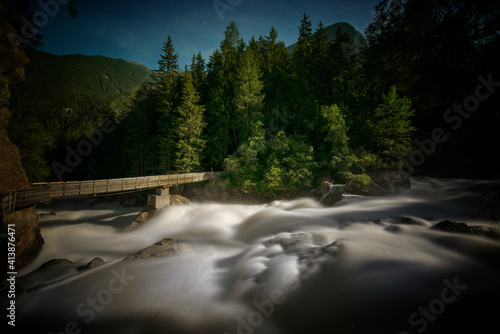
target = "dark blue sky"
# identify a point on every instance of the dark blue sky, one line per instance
(135, 30)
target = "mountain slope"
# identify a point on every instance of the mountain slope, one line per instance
(331, 30)
(55, 77)
(63, 98)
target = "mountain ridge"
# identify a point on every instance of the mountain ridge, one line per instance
(99, 76)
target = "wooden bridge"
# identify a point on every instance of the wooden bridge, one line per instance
(41, 193)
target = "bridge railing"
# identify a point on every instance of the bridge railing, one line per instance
(44, 192)
(96, 187)
(24, 198)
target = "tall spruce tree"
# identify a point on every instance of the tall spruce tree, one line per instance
(166, 94)
(344, 68)
(302, 87)
(168, 59)
(199, 73)
(231, 49)
(190, 124)
(248, 95)
(321, 76)
(277, 75)
(137, 151)
(217, 113)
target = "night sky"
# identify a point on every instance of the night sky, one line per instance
(135, 30)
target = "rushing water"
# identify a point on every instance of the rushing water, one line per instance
(367, 265)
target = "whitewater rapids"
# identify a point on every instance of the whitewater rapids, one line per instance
(366, 265)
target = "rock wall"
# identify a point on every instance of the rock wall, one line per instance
(12, 176)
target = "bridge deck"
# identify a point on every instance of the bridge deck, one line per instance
(44, 192)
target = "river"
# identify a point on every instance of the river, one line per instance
(366, 265)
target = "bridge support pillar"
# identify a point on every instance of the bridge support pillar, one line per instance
(160, 200)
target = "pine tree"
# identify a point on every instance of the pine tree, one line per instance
(190, 126)
(248, 96)
(254, 46)
(166, 96)
(303, 96)
(334, 154)
(217, 113)
(344, 68)
(138, 129)
(231, 49)
(392, 128)
(168, 59)
(302, 53)
(199, 73)
(321, 75)
(276, 69)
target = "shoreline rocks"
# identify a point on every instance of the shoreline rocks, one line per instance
(463, 228)
(378, 183)
(163, 248)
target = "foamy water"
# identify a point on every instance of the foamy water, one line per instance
(364, 266)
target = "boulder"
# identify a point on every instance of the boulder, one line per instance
(140, 219)
(162, 248)
(92, 264)
(179, 200)
(455, 227)
(323, 189)
(393, 228)
(56, 263)
(331, 198)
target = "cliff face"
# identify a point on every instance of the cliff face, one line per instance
(12, 176)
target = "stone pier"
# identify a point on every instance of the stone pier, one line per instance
(160, 199)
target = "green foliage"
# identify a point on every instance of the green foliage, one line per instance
(33, 143)
(344, 69)
(137, 128)
(335, 129)
(361, 179)
(303, 101)
(321, 59)
(359, 183)
(271, 167)
(277, 78)
(291, 161)
(190, 126)
(334, 155)
(248, 94)
(199, 73)
(244, 167)
(391, 128)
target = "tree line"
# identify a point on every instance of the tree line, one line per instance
(277, 121)
(271, 119)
